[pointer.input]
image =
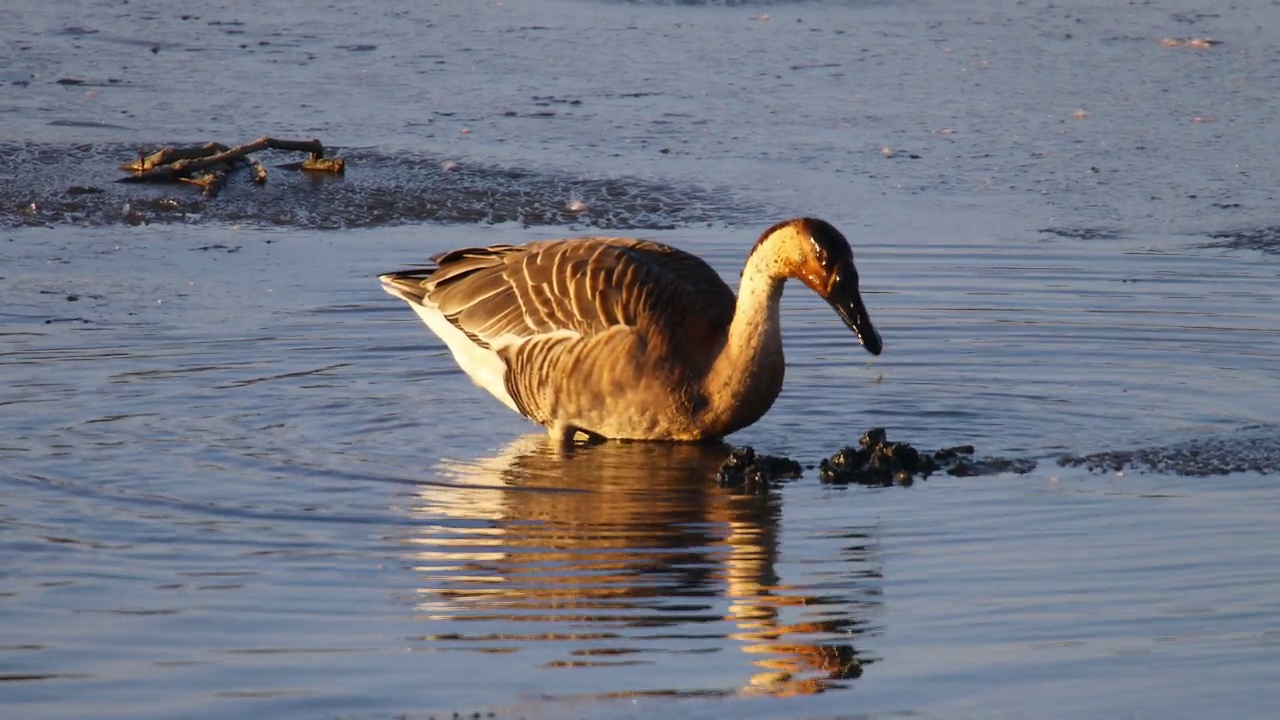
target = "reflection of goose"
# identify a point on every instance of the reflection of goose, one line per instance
(629, 339)
(617, 555)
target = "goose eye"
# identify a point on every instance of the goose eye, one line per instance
(819, 254)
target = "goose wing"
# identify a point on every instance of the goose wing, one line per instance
(503, 295)
(572, 325)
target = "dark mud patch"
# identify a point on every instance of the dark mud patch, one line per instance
(1264, 239)
(75, 184)
(1083, 233)
(1255, 449)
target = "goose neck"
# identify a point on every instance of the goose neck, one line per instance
(746, 376)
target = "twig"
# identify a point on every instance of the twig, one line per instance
(168, 155)
(188, 161)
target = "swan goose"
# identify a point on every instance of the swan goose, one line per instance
(626, 339)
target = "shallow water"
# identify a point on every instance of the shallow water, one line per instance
(240, 481)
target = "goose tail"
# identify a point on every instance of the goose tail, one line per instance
(408, 285)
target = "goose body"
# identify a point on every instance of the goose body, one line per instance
(629, 339)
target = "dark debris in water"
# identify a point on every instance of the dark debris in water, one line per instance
(876, 462)
(1249, 451)
(1264, 239)
(210, 166)
(750, 472)
(70, 184)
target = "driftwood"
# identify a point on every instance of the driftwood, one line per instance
(209, 165)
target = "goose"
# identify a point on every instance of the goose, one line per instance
(629, 339)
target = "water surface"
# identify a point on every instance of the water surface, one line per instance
(240, 481)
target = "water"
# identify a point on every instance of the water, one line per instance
(240, 481)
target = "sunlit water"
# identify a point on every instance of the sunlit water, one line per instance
(238, 480)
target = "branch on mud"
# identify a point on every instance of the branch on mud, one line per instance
(207, 166)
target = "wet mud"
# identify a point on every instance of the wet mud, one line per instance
(77, 184)
(1263, 239)
(1255, 449)
(1082, 233)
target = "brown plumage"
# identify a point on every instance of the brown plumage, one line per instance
(629, 339)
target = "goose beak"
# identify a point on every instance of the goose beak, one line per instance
(843, 295)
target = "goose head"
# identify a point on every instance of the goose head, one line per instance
(820, 257)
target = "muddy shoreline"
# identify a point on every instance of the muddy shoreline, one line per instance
(79, 185)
